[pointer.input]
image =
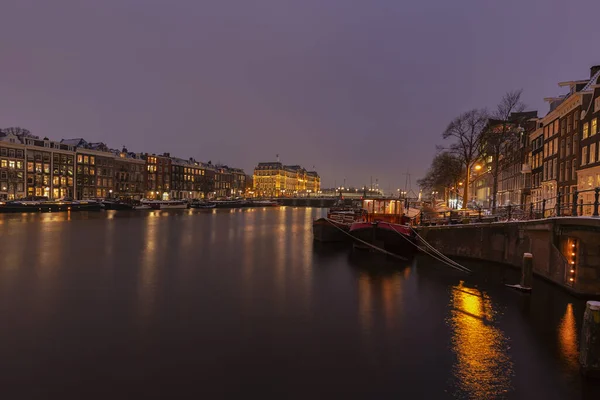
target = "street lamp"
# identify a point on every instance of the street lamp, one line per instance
(477, 167)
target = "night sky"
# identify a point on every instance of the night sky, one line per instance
(355, 88)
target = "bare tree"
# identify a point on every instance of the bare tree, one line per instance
(17, 131)
(466, 131)
(446, 170)
(503, 129)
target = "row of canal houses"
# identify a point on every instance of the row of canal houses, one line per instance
(556, 158)
(30, 166)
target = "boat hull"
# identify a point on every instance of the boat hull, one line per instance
(168, 206)
(325, 230)
(50, 207)
(394, 238)
(202, 206)
(231, 204)
(117, 206)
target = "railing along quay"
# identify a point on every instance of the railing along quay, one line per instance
(546, 208)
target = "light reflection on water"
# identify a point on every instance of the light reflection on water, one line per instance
(148, 267)
(567, 338)
(483, 368)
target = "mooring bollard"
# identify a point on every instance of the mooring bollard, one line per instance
(527, 271)
(589, 355)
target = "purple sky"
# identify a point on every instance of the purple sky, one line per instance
(355, 88)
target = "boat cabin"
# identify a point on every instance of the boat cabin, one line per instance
(387, 210)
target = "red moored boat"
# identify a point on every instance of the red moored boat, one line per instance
(386, 227)
(336, 226)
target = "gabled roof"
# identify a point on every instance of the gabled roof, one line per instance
(592, 82)
(74, 142)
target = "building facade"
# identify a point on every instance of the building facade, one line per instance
(187, 178)
(12, 167)
(588, 173)
(536, 138)
(43, 179)
(158, 176)
(273, 179)
(130, 177)
(223, 182)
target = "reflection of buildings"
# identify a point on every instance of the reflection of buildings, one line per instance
(376, 292)
(483, 368)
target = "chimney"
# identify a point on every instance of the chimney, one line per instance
(593, 70)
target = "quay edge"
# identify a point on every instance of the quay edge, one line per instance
(566, 250)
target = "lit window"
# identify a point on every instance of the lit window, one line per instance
(594, 126)
(584, 153)
(592, 153)
(586, 128)
(3, 163)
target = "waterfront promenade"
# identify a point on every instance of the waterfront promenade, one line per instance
(232, 303)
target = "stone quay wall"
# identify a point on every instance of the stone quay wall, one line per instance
(566, 250)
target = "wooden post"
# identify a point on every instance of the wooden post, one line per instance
(527, 271)
(574, 210)
(589, 355)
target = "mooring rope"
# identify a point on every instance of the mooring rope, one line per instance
(444, 258)
(366, 243)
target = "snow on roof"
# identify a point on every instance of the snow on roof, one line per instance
(591, 82)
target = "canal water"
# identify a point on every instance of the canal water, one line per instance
(214, 304)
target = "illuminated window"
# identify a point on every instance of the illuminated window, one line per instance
(79, 158)
(592, 153)
(584, 153)
(86, 160)
(92, 160)
(594, 127)
(3, 163)
(586, 128)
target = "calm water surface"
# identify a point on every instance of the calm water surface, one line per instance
(242, 303)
